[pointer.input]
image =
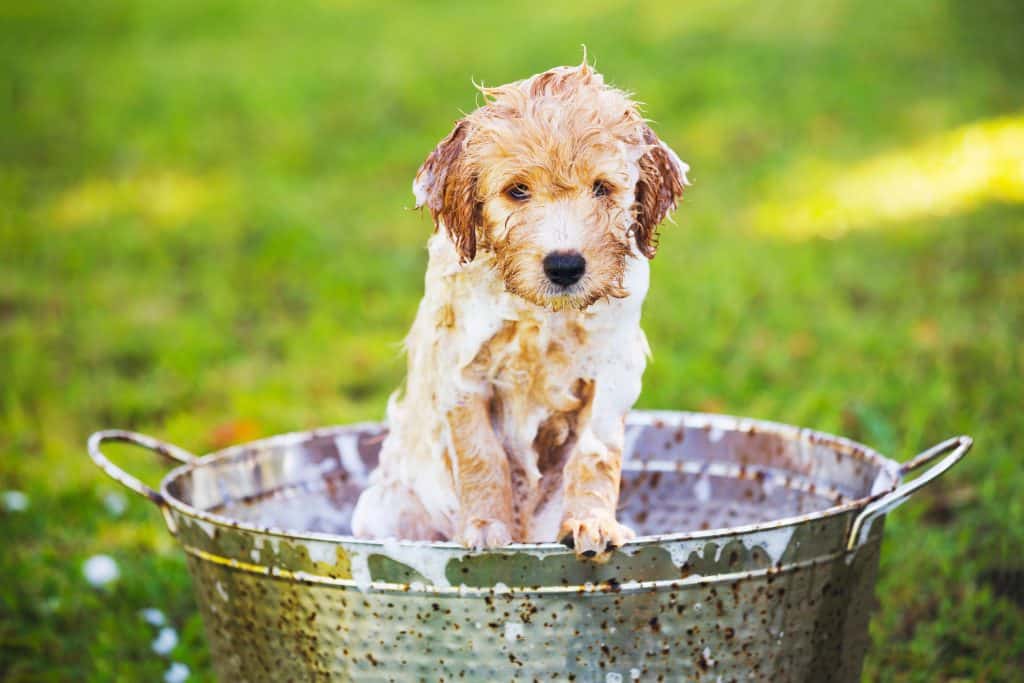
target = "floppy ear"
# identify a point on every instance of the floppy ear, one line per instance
(448, 187)
(662, 177)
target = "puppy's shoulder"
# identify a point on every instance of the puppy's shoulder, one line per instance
(464, 304)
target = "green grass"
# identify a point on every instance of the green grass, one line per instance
(205, 236)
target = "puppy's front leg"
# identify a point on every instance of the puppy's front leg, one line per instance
(482, 483)
(591, 493)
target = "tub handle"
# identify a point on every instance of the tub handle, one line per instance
(959, 445)
(169, 451)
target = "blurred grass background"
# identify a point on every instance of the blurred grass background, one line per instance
(205, 236)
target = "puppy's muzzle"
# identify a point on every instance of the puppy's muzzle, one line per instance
(564, 268)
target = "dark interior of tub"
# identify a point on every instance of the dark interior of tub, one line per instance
(682, 472)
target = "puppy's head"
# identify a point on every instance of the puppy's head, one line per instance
(560, 179)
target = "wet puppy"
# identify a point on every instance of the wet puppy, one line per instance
(526, 353)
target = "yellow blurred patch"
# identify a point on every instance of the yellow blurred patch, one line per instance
(948, 174)
(163, 198)
(234, 432)
(712, 405)
(801, 345)
(925, 333)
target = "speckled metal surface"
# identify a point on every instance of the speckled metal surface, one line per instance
(772, 582)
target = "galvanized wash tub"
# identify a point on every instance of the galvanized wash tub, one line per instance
(755, 560)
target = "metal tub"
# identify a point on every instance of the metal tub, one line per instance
(755, 560)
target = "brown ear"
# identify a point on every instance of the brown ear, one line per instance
(662, 177)
(447, 186)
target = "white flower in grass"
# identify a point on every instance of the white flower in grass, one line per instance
(153, 616)
(165, 641)
(115, 503)
(176, 673)
(99, 570)
(14, 501)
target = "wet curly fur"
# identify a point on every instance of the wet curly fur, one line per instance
(511, 425)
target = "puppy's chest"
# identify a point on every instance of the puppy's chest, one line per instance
(537, 362)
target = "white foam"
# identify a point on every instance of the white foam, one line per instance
(360, 570)
(430, 562)
(774, 541)
(680, 552)
(322, 552)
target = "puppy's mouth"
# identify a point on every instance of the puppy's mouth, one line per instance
(576, 297)
(566, 298)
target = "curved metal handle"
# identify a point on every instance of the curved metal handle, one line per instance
(959, 445)
(167, 450)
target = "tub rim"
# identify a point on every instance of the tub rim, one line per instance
(731, 423)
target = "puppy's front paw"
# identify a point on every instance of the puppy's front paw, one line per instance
(479, 533)
(594, 537)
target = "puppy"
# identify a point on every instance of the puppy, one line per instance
(526, 353)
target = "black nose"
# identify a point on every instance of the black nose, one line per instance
(564, 267)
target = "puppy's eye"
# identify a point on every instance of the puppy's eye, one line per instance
(518, 192)
(601, 188)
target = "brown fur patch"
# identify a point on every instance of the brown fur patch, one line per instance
(657, 192)
(451, 191)
(578, 332)
(481, 476)
(556, 437)
(447, 316)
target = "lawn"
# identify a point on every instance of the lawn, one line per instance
(205, 235)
